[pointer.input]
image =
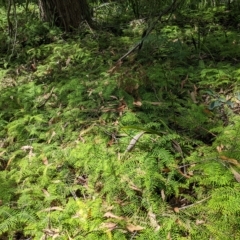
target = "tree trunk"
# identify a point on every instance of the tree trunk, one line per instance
(67, 14)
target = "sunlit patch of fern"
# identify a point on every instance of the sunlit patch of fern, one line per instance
(130, 118)
(225, 200)
(212, 173)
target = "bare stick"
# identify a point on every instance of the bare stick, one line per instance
(191, 205)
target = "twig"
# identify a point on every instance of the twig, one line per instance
(149, 30)
(47, 98)
(191, 205)
(134, 234)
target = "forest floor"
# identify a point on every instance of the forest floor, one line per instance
(145, 148)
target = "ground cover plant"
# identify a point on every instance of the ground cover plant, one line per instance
(145, 147)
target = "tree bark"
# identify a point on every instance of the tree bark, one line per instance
(66, 14)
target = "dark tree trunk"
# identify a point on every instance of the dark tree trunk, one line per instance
(67, 14)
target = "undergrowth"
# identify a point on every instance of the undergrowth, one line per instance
(150, 151)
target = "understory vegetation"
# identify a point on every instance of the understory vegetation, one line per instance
(148, 148)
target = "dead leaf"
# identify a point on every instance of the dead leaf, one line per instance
(52, 209)
(183, 174)
(9, 162)
(134, 187)
(33, 67)
(46, 193)
(166, 170)
(68, 61)
(31, 154)
(176, 210)
(190, 173)
(111, 215)
(45, 161)
(156, 103)
(109, 225)
(235, 173)
(82, 180)
(220, 148)
(230, 160)
(137, 103)
(169, 236)
(121, 107)
(111, 142)
(153, 220)
(199, 222)
(27, 147)
(115, 68)
(163, 195)
(52, 135)
(114, 97)
(54, 233)
(134, 228)
(176, 146)
(134, 141)
(208, 112)
(193, 97)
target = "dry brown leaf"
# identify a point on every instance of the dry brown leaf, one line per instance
(9, 162)
(134, 141)
(166, 170)
(3, 152)
(31, 154)
(46, 193)
(27, 147)
(33, 67)
(163, 195)
(52, 135)
(109, 225)
(208, 112)
(115, 68)
(52, 209)
(156, 103)
(121, 107)
(199, 222)
(114, 97)
(45, 161)
(111, 142)
(177, 146)
(230, 160)
(183, 174)
(236, 174)
(137, 103)
(111, 215)
(193, 97)
(54, 233)
(153, 220)
(169, 236)
(68, 61)
(176, 210)
(134, 187)
(82, 180)
(220, 148)
(190, 173)
(134, 228)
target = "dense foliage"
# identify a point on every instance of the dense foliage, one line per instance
(144, 149)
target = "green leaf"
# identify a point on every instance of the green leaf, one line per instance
(215, 104)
